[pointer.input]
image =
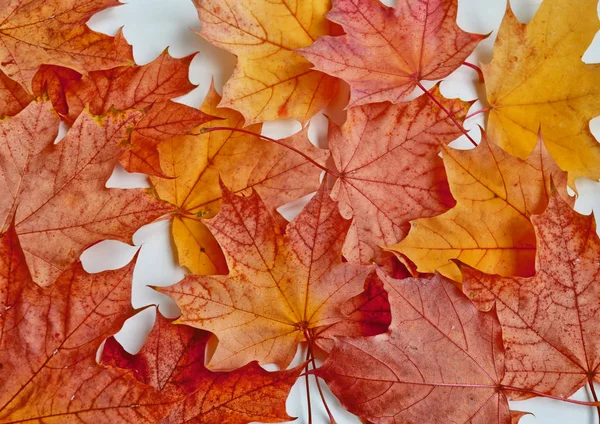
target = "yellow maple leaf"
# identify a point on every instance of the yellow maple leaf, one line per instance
(271, 81)
(538, 80)
(241, 161)
(489, 228)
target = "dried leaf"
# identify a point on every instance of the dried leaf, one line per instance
(57, 191)
(172, 361)
(489, 228)
(149, 88)
(163, 121)
(538, 80)
(390, 170)
(52, 82)
(517, 415)
(38, 32)
(270, 81)
(442, 360)
(386, 51)
(280, 289)
(13, 97)
(49, 341)
(129, 87)
(367, 314)
(242, 161)
(550, 322)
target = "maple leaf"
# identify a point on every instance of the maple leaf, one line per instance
(537, 79)
(242, 161)
(271, 80)
(550, 321)
(163, 121)
(279, 290)
(57, 191)
(390, 171)
(48, 343)
(418, 40)
(517, 415)
(149, 87)
(367, 314)
(37, 32)
(172, 361)
(51, 81)
(129, 87)
(489, 228)
(441, 362)
(13, 97)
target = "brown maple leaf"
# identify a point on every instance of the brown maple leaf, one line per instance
(441, 362)
(149, 88)
(48, 343)
(550, 321)
(386, 51)
(390, 170)
(13, 97)
(172, 361)
(37, 32)
(57, 191)
(280, 290)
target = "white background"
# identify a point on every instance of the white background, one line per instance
(153, 25)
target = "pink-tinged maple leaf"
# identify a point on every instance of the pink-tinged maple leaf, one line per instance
(390, 170)
(57, 192)
(551, 321)
(172, 361)
(442, 361)
(386, 51)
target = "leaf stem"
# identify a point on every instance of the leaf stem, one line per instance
(540, 394)
(272, 140)
(477, 69)
(308, 355)
(312, 358)
(594, 395)
(477, 113)
(450, 114)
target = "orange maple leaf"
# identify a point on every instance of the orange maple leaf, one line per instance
(242, 162)
(442, 360)
(172, 361)
(37, 32)
(386, 51)
(390, 170)
(48, 343)
(551, 321)
(280, 290)
(57, 192)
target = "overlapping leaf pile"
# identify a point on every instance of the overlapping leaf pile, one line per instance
(435, 287)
